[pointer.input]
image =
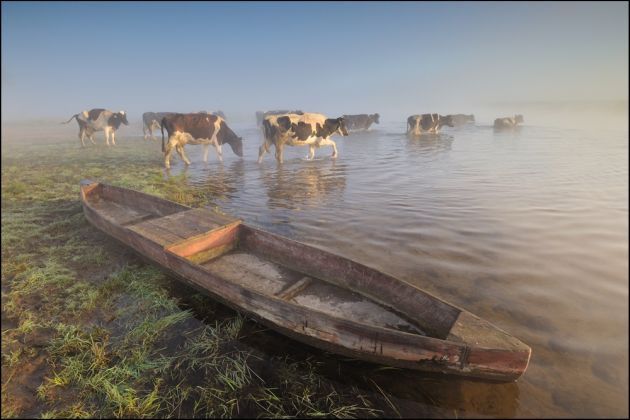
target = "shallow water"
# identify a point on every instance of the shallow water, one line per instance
(528, 229)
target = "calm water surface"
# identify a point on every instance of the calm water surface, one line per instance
(527, 229)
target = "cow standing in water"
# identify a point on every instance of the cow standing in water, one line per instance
(463, 119)
(153, 121)
(206, 129)
(308, 129)
(360, 122)
(507, 122)
(427, 123)
(99, 119)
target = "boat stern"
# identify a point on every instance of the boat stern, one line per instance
(490, 352)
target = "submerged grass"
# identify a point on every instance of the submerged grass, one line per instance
(90, 330)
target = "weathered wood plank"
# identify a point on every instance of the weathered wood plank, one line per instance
(120, 213)
(219, 236)
(155, 233)
(295, 288)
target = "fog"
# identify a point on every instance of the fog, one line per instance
(558, 64)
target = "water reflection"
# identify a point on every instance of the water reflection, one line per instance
(415, 394)
(212, 178)
(429, 143)
(303, 184)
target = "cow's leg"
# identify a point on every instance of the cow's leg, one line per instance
(113, 138)
(219, 151)
(330, 142)
(167, 155)
(144, 130)
(311, 152)
(90, 135)
(206, 149)
(215, 141)
(168, 150)
(81, 136)
(106, 132)
(263, 148)
(279, 150)
(182, 154)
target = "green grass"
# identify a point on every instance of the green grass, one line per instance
(113, 339)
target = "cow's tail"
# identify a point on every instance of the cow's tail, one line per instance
(74, 116)
(162, 129)
(266, 129)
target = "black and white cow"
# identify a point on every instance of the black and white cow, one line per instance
(360, 122)
(260, 116)
(507, 122)
(99, 119)
(463, 119)
(152, 121)
(427, 123)
(198, 128)
(307, 129)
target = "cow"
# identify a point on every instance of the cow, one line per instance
(307, 129)
(463, 119)
(427, 123)
(99, 119)
(507, 122)
(360, 122)
(260, 116)
(198, 128)
(152, 120)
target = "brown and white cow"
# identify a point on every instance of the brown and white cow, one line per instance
(153, 120)
(507, 122)
(427, 123)
(361, 121)
(307, 129)
(199, 128)
(99, 119)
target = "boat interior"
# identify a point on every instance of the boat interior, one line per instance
(223, 246)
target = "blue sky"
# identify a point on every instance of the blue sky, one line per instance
(332, 57)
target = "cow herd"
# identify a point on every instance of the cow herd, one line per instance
(280, 128)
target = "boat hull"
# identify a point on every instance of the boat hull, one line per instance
(330, 333)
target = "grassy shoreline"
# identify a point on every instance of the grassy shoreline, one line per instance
(91, 330)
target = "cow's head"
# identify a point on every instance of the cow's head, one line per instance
(237, 146)
(446, 120)
(123, 117)
(519, 119)
(116, 119)
(375, 118)
(226, 135)
(341, 126)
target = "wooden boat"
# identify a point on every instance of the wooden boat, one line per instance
(304, 292)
